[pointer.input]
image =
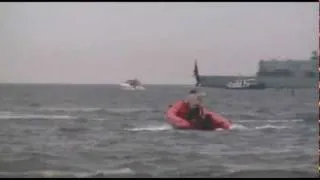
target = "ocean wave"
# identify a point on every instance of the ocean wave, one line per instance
(268, 126)
(61, 109)
(6, 113)
(9, 116)
(269, 174)
(127, 172)
(66, 174)
(261, 127)
(271, 121)
(241, 115)
(233, 127)
(25, 157)
(35, 104)
(151, 128)
(73, 129)
(94, 110)
(309, 117)
(128, 110)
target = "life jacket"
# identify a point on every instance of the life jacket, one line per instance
(183, 110)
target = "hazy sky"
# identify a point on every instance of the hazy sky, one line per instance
(155, 42)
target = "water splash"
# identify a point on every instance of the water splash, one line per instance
(163, 127)
(238, 127)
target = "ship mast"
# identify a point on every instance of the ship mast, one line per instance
(196, 73)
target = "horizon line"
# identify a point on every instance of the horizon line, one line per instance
(41, 83)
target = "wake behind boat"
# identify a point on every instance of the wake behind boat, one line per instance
(132, 84)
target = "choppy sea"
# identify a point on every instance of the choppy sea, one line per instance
(103, 131)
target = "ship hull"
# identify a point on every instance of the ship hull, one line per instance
(253, 87)
(126, 86)
(270, 82)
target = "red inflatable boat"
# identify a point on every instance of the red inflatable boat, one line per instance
(177, 111)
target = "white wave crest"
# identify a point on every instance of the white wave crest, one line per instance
(54, 173)
(9, 115)
(152, 128)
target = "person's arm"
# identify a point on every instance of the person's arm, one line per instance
(176, 120)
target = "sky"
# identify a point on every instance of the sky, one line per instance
(108, 43)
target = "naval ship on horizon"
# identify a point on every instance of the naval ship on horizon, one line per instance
(272, 73)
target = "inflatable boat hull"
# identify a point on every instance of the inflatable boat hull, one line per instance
(218, 121)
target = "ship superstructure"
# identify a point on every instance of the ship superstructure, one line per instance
(273, 73)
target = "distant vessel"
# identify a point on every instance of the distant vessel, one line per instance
(272, 73)
(245, 84)
(132, 84)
